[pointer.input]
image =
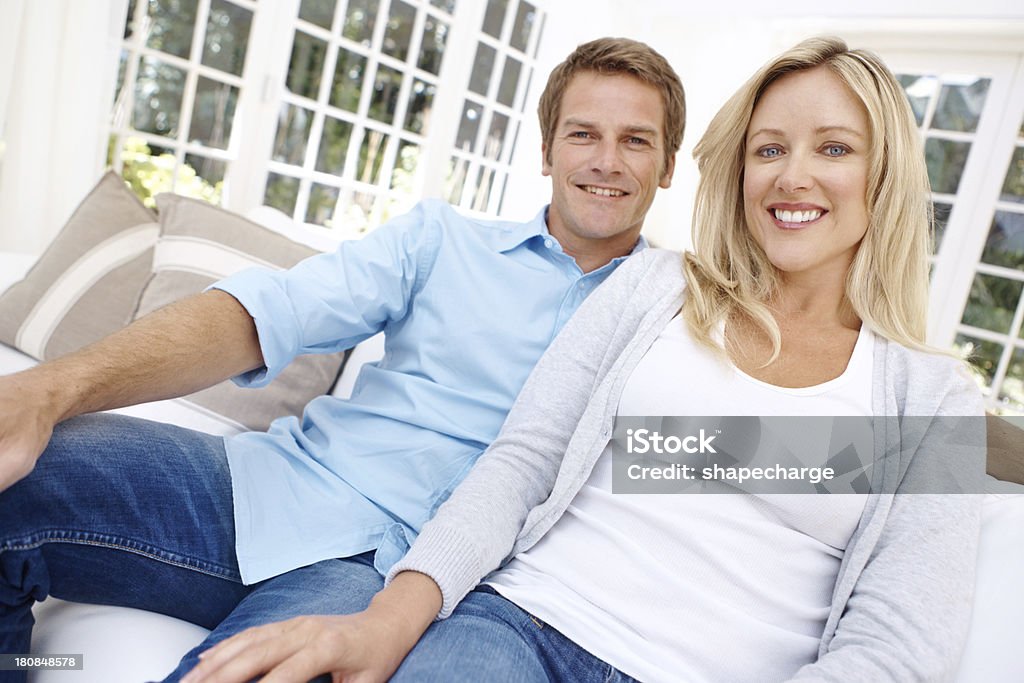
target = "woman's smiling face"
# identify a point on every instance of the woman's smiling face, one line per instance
(806, 173)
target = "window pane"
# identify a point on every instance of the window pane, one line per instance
(960, 106)
(360, 19)
(213, 113)
(1013, 186)
(447, 5)
(333, 146)
(319, 12)
(469, 126)
(1012, 390)
(322, 200)
(227, 36)
(129, 24)
(946, 161)
(398, 33)
(404, 176)
(385, 93)
(992, 303)
(149, 169)
(982, 355)
(281, 192)
(483, 65)
(1005, 244)
(371, 156)
(941, 212)
(525, 17)
(201, 177)
(417, 115)
(158, 91)
(355, 211)
(435, 33)
(455, 180)
(494, 17)
(919, 90)
(348, 80)
(122, 69)
(293, 125)
(306, 65)
(509, 81)
(484, 180)
(172, 23)
(496, 136)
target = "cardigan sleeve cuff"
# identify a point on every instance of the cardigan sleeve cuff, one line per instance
(441, 554)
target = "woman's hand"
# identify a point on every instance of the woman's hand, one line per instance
(354, 648)
(357, 648)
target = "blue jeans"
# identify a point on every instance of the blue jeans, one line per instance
(489, 638)
(133, 513)
(127, 512)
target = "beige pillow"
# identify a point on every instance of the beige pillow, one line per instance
(86, 283)
(200, 244)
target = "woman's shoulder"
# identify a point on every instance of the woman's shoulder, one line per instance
(921, 361)
(932, 376)
(653, 264)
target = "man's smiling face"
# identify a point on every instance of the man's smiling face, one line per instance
(607, 159)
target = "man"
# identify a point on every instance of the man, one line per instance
(246, 531)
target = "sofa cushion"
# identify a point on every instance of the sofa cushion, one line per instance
(200, 244)
(87, 282)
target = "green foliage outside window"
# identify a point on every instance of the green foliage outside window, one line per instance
(149, 174)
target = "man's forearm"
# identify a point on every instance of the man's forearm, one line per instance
(175, 351)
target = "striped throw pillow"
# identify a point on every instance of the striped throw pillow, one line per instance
(87, 282)
(200, 244)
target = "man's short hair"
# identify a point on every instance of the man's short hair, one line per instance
(611, 56)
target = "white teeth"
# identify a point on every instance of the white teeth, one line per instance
(603, 191)
(797, 216)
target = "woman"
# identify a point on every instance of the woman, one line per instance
(806, 296)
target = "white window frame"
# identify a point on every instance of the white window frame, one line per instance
(995, 51)
(262, 90)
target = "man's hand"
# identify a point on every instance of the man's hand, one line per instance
(358, 648)
(26, 423)
(185, 347)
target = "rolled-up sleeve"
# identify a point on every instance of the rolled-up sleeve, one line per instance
(330, 302)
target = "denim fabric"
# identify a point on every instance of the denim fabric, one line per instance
(342, 586)
(120, 511)
(489, 638)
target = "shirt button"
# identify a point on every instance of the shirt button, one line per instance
(547, 243)
(583, 285)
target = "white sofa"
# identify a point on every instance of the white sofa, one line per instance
(126, 645)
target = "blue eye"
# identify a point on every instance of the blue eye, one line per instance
(637, 141)
(580, 134)
(769, 152)
(836, 150)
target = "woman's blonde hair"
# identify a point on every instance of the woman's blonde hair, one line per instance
(887, 284)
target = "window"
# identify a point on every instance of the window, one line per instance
(337, 112)
(177, 94)
(971, 114)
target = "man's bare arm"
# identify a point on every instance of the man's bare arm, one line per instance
(175, 351)
(1005, 450)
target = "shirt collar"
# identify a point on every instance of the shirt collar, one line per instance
(517, 233)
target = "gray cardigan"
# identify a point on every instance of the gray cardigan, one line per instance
(902, 600)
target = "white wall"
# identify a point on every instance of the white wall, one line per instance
(716, 46)
(58, 64)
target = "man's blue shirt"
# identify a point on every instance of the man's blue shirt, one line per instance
(467, 307)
